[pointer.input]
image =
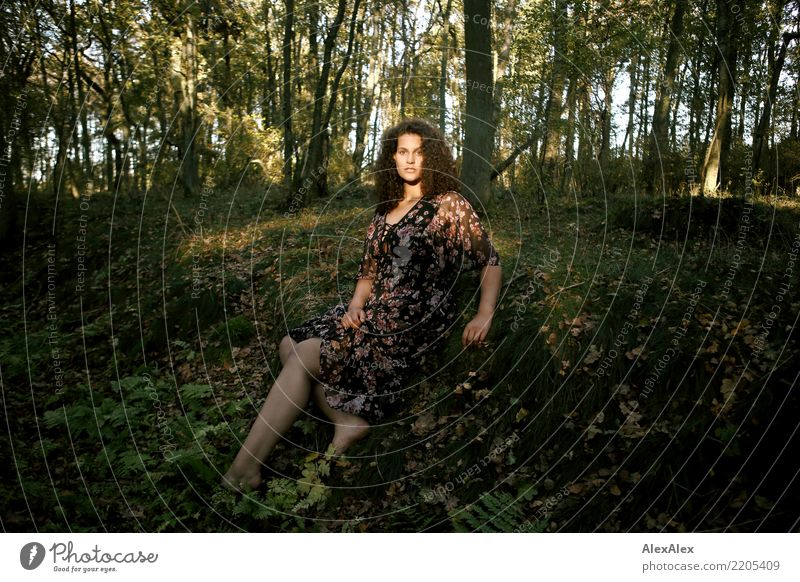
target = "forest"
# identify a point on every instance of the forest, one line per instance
(181, 181)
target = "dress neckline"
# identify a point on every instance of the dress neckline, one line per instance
(389, 224)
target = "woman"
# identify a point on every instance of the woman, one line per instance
(353, 360)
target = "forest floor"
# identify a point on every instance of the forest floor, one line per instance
(641, 373)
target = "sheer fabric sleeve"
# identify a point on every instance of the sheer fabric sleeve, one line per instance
(467, 246)
(369, 266)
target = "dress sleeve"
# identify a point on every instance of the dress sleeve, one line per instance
(369, 265)
(466, 244)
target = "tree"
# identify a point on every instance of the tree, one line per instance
(286, 93)
(551, 144)
(657, 144)
(314, 166)
(18, 52)
(476, 166)
(715, 166)
(775, 62)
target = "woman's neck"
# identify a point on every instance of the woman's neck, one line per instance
(412, 191)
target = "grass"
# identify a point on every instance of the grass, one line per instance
(168, 351)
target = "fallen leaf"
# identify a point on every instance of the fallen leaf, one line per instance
(423, 424)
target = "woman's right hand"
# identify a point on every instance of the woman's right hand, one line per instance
(354, 317)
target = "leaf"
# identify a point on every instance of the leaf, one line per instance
(636, 352)
(592, 356)
(195, 392)
(727, 389)
(424, 424)
(576, 488)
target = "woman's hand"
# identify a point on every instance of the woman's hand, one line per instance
(354, 317)
(477, 329)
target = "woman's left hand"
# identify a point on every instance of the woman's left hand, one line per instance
(477, 329)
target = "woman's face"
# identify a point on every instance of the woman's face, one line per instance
(408, 158)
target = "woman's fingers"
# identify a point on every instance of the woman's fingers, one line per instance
(354, 320)
(473, 335)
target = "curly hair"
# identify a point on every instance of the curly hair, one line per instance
(438, 166)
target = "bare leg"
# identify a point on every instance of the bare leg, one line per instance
(286, 400)
(348, 427)
(286, 348)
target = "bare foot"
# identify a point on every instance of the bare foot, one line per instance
(352, 430)
(241, 484)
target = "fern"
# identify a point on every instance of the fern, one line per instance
(492, 512)
(195, 392)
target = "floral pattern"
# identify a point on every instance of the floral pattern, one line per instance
(413, 265)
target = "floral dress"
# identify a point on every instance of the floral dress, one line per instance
(413, 265)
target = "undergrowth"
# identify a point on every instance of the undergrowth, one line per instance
(127, 399)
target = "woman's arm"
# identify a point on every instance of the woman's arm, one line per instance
(361, 294)
(355, 315)
(491, 281)
(478, 328)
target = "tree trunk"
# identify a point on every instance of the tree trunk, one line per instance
(658, 141)
(681, 85)
(269, 108)
(775, 69)
(313, 168)
(286, 95)
(406, 45)
(502, 166)
(643, 107)
(633, 73)
(14, 126)
(569, 147)
(605, 137)
(744, 96)
(367, 104)
(715, 166)
(696, 102)
(476, 166)
(86, 158)
(322, 177)
(184, 83)
(443, 68)
(505, 26)
(585, 157)
(551, 144)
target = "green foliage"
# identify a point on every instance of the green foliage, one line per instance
(718, 219)
(145, 438)
(238, 330)
(493, 511)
